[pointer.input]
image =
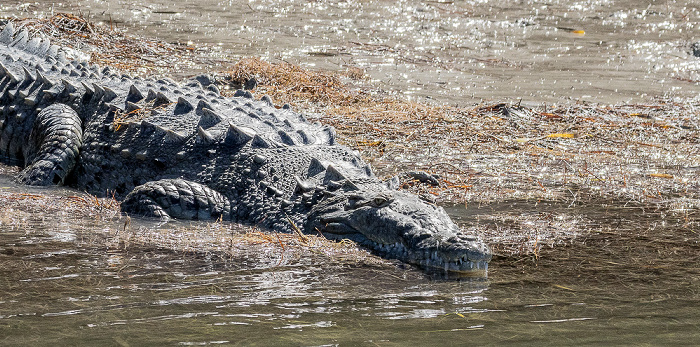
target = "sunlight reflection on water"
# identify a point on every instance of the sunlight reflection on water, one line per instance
(62, 283)
(456, 52)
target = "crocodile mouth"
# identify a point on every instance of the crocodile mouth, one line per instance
(427, 258)
(431, 260)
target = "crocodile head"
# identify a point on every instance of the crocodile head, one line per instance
(398, 225)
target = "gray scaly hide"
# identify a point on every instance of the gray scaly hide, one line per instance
(185, 151)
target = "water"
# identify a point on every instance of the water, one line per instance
(73, 278)
(457, 52)
(66, 278)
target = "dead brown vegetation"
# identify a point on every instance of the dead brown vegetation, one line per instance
(108, 45)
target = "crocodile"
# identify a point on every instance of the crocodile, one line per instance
(182, 150)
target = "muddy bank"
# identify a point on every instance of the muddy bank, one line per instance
(583, 158)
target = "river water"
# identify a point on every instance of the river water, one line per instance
(457, 52)
(72, 279)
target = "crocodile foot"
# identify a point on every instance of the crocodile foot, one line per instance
(177, 198)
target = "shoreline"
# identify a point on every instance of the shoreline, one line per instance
(500, 161)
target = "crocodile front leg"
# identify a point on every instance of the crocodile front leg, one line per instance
(177, 198)
(53, 146)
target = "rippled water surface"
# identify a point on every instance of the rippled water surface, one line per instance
(65, 280)
(459, 52)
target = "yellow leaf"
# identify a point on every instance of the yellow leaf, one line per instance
(563, 135)
(369, 143)
(661, 175)
(580, 32)
(562, 287)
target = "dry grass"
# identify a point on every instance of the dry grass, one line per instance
(108, 45)
(288, 83)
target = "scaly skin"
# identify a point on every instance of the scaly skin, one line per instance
(184, 151)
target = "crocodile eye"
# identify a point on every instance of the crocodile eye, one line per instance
(379, 201)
